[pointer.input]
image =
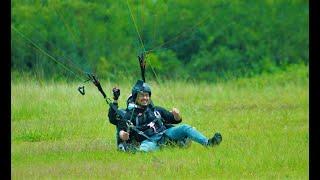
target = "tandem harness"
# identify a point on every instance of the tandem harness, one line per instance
(148, 129)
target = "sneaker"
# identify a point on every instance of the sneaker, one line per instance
(215, 140)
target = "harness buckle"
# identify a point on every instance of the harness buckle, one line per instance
(151, 125)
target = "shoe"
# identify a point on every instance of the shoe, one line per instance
(215, 140)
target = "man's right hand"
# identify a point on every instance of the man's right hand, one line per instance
(124, 135)
(116, 93)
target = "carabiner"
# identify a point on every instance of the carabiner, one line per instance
(81, 90)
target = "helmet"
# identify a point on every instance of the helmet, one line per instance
(140, 86)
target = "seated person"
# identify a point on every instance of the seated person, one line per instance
(116, 115)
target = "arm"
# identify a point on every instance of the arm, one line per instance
(112, 114)
(168, 117)
(123, 127)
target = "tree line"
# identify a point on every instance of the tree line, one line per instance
(184, 39)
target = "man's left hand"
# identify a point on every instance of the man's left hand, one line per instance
(176, 114)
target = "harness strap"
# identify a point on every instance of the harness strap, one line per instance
(153, 121)
(130, 125)
(142, 64)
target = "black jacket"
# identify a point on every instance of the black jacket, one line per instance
(151, 120)
(113, 117)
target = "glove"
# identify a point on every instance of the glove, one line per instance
(116, 93)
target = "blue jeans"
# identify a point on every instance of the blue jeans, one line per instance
(175, 133)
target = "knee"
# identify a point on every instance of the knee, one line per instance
(147, 147)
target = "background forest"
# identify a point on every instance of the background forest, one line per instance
(187, 40)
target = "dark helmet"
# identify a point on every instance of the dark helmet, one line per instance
(140, 86)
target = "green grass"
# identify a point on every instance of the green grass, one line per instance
(58, 133)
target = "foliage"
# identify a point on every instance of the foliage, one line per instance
(193, 40)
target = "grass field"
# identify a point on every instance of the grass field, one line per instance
(58, 133)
